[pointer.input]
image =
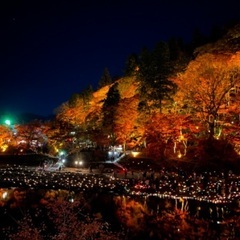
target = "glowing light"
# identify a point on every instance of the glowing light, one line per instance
(61, 153)
(4, 147)
(79, 163)
(135, 154)
(4, 195)
(8, 122)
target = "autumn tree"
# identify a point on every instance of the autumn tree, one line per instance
(126, 116)
(31, 135)
(73, 114)
(205, 85)
(5, 138)
(167, 135)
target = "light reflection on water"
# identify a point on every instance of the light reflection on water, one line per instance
(12, 199)
(25, 189)
(19, 197)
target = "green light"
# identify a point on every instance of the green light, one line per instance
(8, 122)
(62, 153)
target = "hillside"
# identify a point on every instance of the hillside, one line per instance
(228, 44)
(175, 126)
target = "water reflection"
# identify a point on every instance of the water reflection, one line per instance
(211, 198)
(16, 198)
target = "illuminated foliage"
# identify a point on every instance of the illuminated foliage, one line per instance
(203, 107)
(5, 138)
(204, 86)
(168, 135)
(126, 115)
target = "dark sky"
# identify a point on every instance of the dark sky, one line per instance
(52, 49)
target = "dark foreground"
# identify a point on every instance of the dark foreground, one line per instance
(133, 204)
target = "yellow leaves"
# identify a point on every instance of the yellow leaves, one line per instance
(79, 113)
(127, 87)
(126, 115)
(207, 80)
(5, 138)
(100, 94)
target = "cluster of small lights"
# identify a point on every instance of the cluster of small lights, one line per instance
(209, 187)
(25, 177)
(212, 187)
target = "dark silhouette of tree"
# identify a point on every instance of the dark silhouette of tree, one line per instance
(87, 95)
(105, 79)
(73, 99)
(109, 108)
(216, 33)
(179, 55)
(131, 65)
(198, 39)
(155, 68)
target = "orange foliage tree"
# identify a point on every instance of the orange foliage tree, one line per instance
(126, 115)
(5, 138)
(204, 86)
(168, 134)
(31, 135)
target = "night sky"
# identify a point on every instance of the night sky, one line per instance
(52, 49)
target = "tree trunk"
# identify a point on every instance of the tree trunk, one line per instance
(211, 130)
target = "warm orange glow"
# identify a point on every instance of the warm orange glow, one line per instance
(4, 147)
(135, 154)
